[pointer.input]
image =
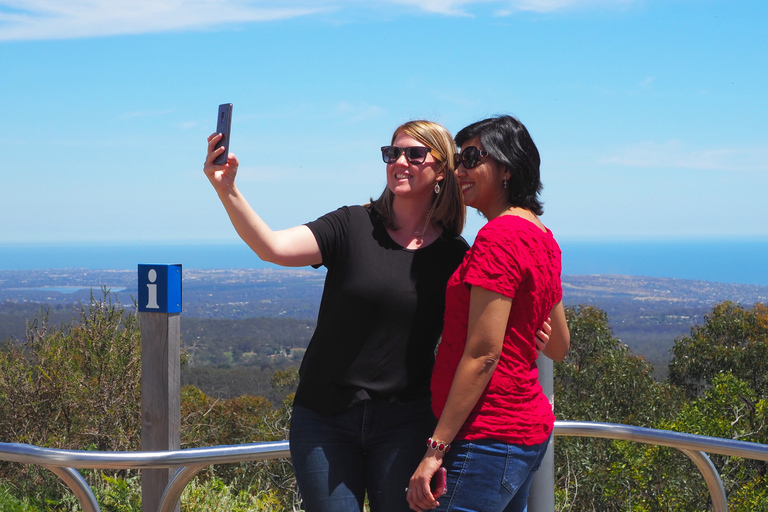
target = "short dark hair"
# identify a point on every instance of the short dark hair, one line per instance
(508, 142)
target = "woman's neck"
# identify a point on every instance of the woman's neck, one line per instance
(414, 228)
(496, 208)
(525, 214)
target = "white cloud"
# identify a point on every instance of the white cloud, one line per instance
(70, 19)
(674, 154)
(555, 5)
(67, 19)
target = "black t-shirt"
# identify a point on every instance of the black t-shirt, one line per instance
(380, 316)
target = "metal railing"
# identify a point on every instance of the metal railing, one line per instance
(694, 446)
(65, 463)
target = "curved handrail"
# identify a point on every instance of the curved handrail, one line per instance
(177, 483)
(83, 459)
(79, 487)
(679, 440)
(190, 461)
(712, 479)
(692, 445)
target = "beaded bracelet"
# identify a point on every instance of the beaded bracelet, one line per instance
(440, 446)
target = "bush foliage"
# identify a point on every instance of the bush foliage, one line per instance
(77, 386)
(600, 380)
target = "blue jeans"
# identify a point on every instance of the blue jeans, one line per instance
(489, 476)
(374, 447)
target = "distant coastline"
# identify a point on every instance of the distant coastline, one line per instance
(721, 261)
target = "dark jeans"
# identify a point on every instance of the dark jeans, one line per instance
(374, 447)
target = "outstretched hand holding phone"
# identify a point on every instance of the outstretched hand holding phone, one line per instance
(292, 247)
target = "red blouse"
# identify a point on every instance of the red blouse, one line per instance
(513, 257)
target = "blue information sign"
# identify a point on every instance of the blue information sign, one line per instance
(160, 288)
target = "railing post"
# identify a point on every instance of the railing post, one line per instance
(160, 308)
(542, 494)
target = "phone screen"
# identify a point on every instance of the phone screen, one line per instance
(223, 125)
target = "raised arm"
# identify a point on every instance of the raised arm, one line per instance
(292, 247)
(488, 316)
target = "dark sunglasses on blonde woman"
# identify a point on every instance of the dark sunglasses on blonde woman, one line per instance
(413, 154)
(469, 157)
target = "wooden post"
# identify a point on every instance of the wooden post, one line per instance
(160, 307)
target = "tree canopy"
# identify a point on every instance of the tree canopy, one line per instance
(732, 339)
(78, 386)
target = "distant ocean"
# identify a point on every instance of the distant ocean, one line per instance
(724, 261)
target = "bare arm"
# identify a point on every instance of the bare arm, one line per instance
(488, 315)
(292, 247)
(559, 337)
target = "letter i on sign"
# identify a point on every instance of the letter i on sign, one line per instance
(152, 290)
(160, 288)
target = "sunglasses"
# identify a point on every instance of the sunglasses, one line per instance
(469, 157)
(413, 154)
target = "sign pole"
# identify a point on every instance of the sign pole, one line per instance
(159, 308)
(541, 497)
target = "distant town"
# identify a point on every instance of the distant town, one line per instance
(646, 313)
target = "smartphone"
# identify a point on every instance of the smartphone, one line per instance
(438, 485)
(223, 125)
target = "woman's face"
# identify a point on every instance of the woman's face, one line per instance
(407, 179)
(481, 186)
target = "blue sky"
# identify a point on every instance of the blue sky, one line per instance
(650, 115)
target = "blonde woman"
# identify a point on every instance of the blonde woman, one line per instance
(362, 408)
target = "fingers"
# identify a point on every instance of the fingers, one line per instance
(213, 151)
(221, 176)
(542, 335)
(418, 501)
(547, 326)
(213, 139)
(209, 167)
(541, 340)
(419, 495)
(411, 501)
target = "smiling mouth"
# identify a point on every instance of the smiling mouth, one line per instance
(466, 186)
(402, 176)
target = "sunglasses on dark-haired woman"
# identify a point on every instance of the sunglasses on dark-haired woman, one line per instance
(469, 157)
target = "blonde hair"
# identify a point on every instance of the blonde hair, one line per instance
(447, 207)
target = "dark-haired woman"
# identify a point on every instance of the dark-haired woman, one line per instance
(494, 420)
(362, 408)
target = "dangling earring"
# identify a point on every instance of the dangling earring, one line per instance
(505, 183)
(437, 187)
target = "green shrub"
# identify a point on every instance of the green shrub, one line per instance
(10, 503)
(78, 387)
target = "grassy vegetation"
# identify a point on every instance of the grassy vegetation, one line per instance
(76, 386)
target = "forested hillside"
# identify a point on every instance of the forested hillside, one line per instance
(57, 385)
(645, 313)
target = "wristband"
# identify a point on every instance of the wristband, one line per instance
(439, 446)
